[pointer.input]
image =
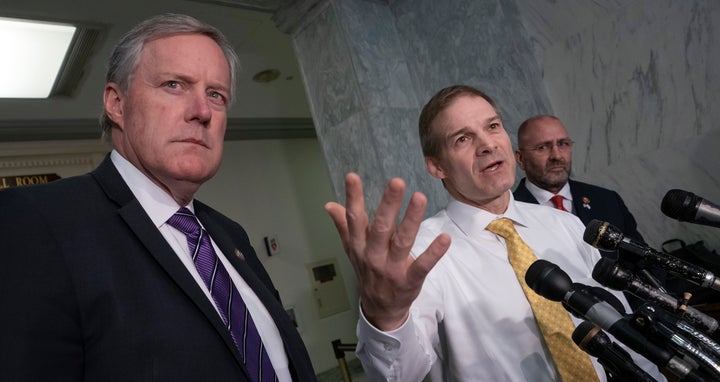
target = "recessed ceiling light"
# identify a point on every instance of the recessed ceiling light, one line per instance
(37, 52)
(266, 76)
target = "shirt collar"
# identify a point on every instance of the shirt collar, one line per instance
(156, 202)
(543, 196)
(472, 220)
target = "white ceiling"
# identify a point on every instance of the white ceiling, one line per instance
(262, 110)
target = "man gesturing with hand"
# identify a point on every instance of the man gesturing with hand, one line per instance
(458, 311)
(388, 277)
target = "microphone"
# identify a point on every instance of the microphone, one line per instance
(610, 274)
(605, 236)
(688, 207)
(616, 361)
(551, 282)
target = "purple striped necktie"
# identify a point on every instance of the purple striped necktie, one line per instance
(232, 309)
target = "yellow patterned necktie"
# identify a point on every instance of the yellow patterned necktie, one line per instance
(553, 320)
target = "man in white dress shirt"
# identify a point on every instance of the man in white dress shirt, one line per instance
(440, 298)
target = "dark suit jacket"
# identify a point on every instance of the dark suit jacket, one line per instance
(605, 205)
(90, 290)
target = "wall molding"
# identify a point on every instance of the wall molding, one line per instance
(65, 158)
(46, 162)
(89, 129)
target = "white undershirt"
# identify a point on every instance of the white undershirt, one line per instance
(160, 206)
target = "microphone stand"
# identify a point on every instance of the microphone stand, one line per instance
(650, 323)
(617, 363)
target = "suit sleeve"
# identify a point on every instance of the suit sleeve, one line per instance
(630, 225)
(40, 336)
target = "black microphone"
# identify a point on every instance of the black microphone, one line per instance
(616, 361)
(605, 236)
(688, 207)
(609, 273)
(551, 282)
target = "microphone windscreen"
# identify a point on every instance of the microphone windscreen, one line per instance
(602, 235)
(548, 280)
(592, 230)
(584, 333)
(679, 204)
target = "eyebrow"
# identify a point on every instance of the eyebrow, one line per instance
(553, 140)
(192, 80)
(466, 129)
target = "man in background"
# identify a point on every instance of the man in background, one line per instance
(545, 154)
(120, 274)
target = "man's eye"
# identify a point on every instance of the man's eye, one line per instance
(172, 84)
(542, 147)
(217, 96)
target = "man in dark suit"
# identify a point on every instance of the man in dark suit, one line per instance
(545, 154)
(98, 284)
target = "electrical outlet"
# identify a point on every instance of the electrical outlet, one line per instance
(272, 244)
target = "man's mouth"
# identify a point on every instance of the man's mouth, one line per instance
(195, 141)
(492, 167)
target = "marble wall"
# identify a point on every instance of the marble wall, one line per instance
(634, 82)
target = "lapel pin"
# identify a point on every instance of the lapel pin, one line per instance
(586, 202)
(239, 255)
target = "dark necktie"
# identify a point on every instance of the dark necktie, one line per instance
(232, 309)
(557, 201)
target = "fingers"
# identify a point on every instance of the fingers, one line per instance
(350, 221)
(357, 218)
(337, 214)
(408, 228)
(383, 225)
(427, 260)
(389, 279)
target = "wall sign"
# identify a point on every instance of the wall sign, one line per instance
(26, 180)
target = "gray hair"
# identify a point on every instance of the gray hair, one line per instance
(126, 55)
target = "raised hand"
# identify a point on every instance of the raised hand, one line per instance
(389, 279)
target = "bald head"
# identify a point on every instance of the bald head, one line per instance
(544, 152)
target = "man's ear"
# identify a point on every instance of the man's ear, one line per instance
(433, 167)
(519, 159)
(113, 101)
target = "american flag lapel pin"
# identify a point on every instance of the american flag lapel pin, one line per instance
(586, 202)
(239, 255)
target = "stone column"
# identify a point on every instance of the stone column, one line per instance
(369, 66)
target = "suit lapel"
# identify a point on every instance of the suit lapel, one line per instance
(139, 222)
(235, 256)
(300, 364)
(578, 194)
(523, 194)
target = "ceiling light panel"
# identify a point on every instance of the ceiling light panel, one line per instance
(33, 53)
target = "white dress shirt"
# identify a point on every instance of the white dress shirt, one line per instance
(472, 321)
(543, 196)
(160, 206)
